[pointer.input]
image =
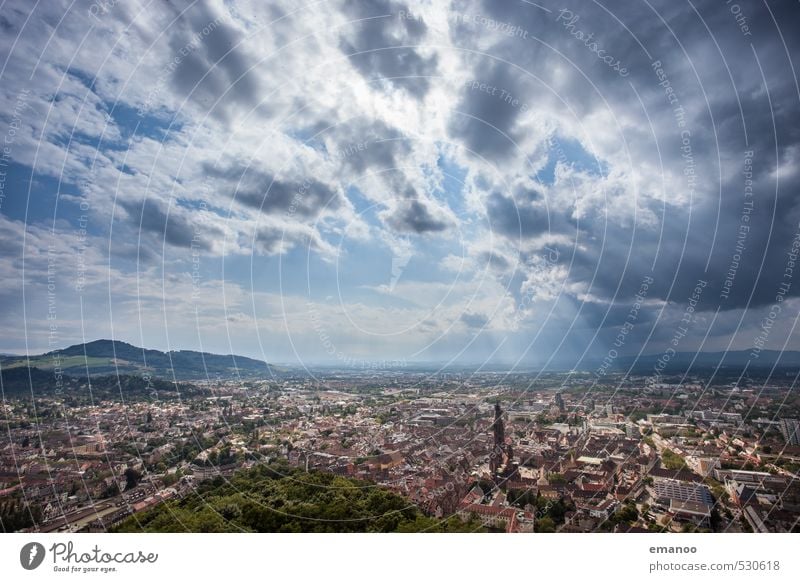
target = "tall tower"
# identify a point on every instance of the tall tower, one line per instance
(499, 427)
(559, 401)
(496, 457)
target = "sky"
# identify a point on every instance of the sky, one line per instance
(382, 183)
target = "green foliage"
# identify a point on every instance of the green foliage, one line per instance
(278, 498)
(132, 478)
(626, 514)
(110, 491)
(522, 497)
(15, 515)
(171, 478)
(116, 357)
(78, 389)
(672, 461)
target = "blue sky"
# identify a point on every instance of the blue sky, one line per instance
(339, 183)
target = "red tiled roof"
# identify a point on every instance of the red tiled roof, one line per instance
(489, 510)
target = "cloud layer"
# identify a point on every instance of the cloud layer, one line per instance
(399, 180)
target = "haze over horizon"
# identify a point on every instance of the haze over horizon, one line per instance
(677, 363)
(472, 181)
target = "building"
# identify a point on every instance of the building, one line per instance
(501, 457)
(559, 402)
(691, 511)
(790, 429)
(664, 418)
(665, 491)
(505, 518)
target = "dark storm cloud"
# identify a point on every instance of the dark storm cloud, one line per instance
(174, 228)
(379, 44)
(374, 148)
(722, 93)
(209, 65)
(526, 215)
(484, 120)
(414, 216)
(5, 24)
(366, 146)
(296, 199)
(270, 240)
(307, 199)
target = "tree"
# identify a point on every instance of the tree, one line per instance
(110, 491)
(626, 514)
(672, 461)
(15, 515)
(132, 478)
(305, 502)
(169, 479)
(545, 525)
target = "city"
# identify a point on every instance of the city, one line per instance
(512, 452)
(441, 268)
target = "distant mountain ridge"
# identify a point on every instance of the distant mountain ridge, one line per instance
(680, 362)
(104, 357)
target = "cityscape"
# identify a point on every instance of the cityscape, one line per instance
(447, 268)
(482, 450)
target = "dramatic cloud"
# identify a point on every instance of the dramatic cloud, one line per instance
(381, 45)
(400, 179)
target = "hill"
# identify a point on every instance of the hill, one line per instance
(22, 381)
(724, 363)
(278, 498)
(112, 357)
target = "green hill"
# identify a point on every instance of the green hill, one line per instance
(22, 381)
(107, 357)
(277, 498)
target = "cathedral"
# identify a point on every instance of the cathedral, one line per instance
(501, 459)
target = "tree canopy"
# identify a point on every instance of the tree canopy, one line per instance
(278, 498)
